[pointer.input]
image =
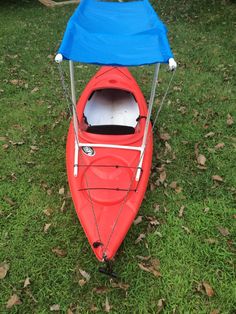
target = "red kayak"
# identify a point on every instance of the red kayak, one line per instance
(108, 165)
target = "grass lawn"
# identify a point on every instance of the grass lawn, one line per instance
(189, 218)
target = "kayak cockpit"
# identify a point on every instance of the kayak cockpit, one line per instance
(111, 112)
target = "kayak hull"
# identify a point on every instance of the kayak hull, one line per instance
(105, 191)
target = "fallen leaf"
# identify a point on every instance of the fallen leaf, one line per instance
(59, 252)
(173, 185)
(208, 289)
(34, 90)
(201, 159)
(14, 300)
(181, 211)
(215, 311)
(206, 209)
(229, 120)
(5, 146)
(140, 238)
(212, 241)
(186, 229)
(8, 200)
(61, 191)
(123, 286)
(17, 82)
(178, 190)
(143, 258)
(164, 136)
(210, 134)
(93, 308)
(27, 282)
(138, 220)
(161, 304)
(217, 178)
(48, 211)
(63, 206)
(162, 176)
(224, 231)
(84, 274)
(149, 269)
(4, 267)
(17, 143)
(55, 307)
(153, 221)
(46, 227)
(156, 208)
(3, 138)
(100, 290)
(82, 282)
(107, 306)
(220, 145)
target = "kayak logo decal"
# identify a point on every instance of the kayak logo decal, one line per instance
(89, 151)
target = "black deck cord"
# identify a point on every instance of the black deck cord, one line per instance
(108, 269)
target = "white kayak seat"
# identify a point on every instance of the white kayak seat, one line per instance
(112, 107)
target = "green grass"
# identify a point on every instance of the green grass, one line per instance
(202, 35)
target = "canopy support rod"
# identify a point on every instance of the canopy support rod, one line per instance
(75, 121)
(151, 101)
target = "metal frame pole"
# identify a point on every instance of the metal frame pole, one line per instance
(151, 102)
(75, 121)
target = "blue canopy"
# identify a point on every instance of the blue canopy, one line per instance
(116, 33)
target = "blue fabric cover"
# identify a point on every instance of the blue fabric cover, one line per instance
(116, 33)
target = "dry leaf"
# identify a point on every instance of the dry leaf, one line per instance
(27, 282)
(8, 200)
(220, 145)
(17, 82)
(55, 307)
(34, 90)
(61, 191)
(82, 282)
(100, 290)
(181, 211)
(4, 267)
(150, 269)
(208, 289)
(164, 137)
(84, 274)
(48, 211)
(162, 176)
(217, 178)
(107, 306)
(173, 185)
(138, 220)
(212, 241)
(59, 252)
(224, 231)
(93, 308)
(153, 221)
(63, 206)
(34, 148)
(46, 227)
(215, 311)
(143, 258)
(161, 305)
(140, 238)
(120, 285)
(178, 190)
(201, 159)
(14, 300)
(186, 229)
(210, 134)
(5, 146)
(230, 120)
